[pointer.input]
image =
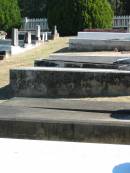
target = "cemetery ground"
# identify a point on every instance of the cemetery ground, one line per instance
(65, 119)
(27, 58)
(43, 51)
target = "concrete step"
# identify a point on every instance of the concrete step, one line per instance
(61, 120)
(55, 82)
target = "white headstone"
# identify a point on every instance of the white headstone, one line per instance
(128, 29)
(25, 21)
(46, 36)
(56, 34)
(55, 30)
(38, 30)
(27, 39)
(15, 37)
(43, 36)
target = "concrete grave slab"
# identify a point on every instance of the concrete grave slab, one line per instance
(68, 120)
(69, 82)
(81, 44)
(104, 35)
(100, 41)
(96, 57)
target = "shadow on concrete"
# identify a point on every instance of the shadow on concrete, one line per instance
(63, 50)
(5, 92)
(80, 110)
(121, 114)
(122, 168)
(117, 114)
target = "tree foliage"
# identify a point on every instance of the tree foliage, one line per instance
(9, 14)
(33, 8)
(127, 7)
(99, 14)
(119, 6)
(71, 16)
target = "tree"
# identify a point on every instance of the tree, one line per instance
(127, 7)
(118, 6)
(33, 8)
(9, 14)
(71, 16)
(99, 14)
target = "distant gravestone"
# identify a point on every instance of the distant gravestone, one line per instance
(43, 36)
(2, 35)
(27, 38)
(46, 36)
(15, 37)
(25, 23)
(55, 30)
(128, 29)
(38, 31)
(56, 34)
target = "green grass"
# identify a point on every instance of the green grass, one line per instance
(27, 58)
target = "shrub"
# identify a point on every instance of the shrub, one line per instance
(9, 14)
(71, 16)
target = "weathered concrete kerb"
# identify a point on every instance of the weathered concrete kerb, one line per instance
(80, 44)
(62, 82)
(100, 41)
(65, 120)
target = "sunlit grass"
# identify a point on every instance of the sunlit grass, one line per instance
(27, 58)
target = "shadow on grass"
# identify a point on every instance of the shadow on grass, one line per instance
(6, 92)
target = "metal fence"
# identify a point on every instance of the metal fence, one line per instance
(30, 24)
(121, 21)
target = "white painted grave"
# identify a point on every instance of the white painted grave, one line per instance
(18, 156)
(100, 41)
(103, 36)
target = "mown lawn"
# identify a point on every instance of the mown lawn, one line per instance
(27, 59)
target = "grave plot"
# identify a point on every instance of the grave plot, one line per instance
(73, 75)
(65, 120)
(69, 82)
(100, 41)
(72, 64)
(56, 109)
(23, 40)
(5, 48)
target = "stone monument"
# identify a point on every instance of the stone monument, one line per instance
(38, 31)
(15, 37)
(27, 38)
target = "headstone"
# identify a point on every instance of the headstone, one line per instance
(25, 21)
(55, 30)
(15, 37)
(43, 36)
(128, 29)
(38, 30)
(56, 34)
(27, 38)
(46, 36)
(2, 35)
